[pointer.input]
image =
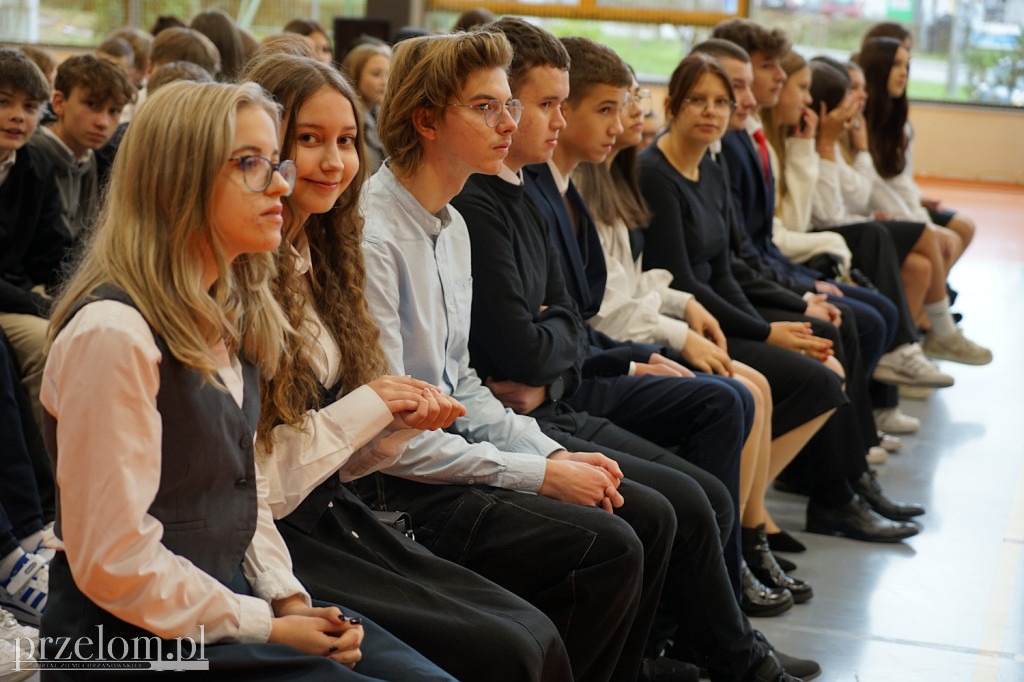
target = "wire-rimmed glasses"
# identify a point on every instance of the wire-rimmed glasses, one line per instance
(494, 110)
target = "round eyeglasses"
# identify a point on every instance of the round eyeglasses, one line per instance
(640, 98)
(494, 109)
(257, 172)
(699, 105)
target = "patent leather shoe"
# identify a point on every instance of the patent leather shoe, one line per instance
(759, 600)
(856, 520)
(868, 488)
(764, 566)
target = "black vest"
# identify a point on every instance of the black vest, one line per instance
(207, 500)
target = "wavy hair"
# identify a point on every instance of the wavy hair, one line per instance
(156, 225)
(336, 291)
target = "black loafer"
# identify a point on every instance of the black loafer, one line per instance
(868, 488)
(762, 563)
(803, 668)
(759, 600)
(663, 669)
(770, 670)
(856, 520)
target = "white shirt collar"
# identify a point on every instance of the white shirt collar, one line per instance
(561, 181)
(510, 176)
(5, 166)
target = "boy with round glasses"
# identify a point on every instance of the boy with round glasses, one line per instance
(469, 488)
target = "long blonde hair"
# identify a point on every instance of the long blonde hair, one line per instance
(777, 133)
(156, 225)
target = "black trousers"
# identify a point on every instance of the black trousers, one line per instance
(463, 622)
(704, 419)
(596, 575)
(384, 656)
(698, 595)
(838, 450)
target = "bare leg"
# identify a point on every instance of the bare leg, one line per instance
(756, 453)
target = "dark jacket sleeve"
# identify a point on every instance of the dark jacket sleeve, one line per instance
(510, 338)
(665, 247)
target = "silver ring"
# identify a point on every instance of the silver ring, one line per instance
(803, 352)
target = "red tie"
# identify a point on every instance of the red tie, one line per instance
(763, 144)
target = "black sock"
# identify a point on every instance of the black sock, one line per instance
(833, 494)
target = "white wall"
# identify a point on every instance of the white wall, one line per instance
(972, 143)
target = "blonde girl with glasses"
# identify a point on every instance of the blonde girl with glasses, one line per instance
(152, 401)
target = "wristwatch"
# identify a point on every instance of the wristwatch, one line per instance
(556, 389)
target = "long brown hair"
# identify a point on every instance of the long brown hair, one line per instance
(775, 132)
(336, 289)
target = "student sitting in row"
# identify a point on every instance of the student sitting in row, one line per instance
(35, 239)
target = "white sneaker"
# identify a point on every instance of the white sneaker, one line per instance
(15, 667)
(25, 590)
(877, 455)
(908, 366)
(915, 392)
(891, 420)
(11, 630)
(889, 443)
(956, 348)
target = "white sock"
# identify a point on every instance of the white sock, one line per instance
(938, 315)
(31, 543)
(8, 562)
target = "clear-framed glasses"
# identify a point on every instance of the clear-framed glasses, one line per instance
(257, 171)
(699, 105)
(494, 109)
(640, 98)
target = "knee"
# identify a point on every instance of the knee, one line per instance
(916, 269)
(964, 227)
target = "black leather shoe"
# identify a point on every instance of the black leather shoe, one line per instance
(868, 488)
(856, 520)
(804, 668)
(784, 542)
(760, 600)
(762, 563)
(770, 670)
(663, 669)
(784, 563)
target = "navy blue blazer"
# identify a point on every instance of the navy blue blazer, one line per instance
(583, 269)
(754, 201)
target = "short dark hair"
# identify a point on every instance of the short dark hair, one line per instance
(531, 46)
(18, 73)
(593, 64)
(753, 37)
(721, 49)
(117, 47)
(887, 29)
(685, 77)
(140, 42)
(99, 77)
(180, 44)
(164, 22)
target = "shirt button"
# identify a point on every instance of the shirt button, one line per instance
(245, 441)
(451, 307)
(330, 505)
(241, 483)
(471, 481)
(355, 535)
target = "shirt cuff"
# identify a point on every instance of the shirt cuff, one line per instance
(255, 616)
(523, 473)
(673, 332)
(273, 585)
(632, 369)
